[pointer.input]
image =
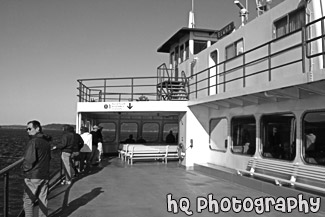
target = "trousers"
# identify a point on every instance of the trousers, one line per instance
(68, 170)
(35, 197)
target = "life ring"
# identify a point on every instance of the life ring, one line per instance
(181, 151)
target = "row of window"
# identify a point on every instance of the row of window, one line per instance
(180, 54)
(149, 131)
(278, 136)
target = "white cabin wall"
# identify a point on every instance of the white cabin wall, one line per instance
(197, 131)
(252, 39)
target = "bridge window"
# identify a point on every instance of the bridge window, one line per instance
(129, 129)
(108, 131)
(290, 23)
(278, 133)
(182, 57)
(243, 134)
(235, 49)
(187, 50)
(314, 138)
(218, 134)
(199, 46)
(150, 132)
(170, 127)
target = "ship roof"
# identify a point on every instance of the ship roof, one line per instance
(165, 48)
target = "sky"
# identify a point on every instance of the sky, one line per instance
(47, 45)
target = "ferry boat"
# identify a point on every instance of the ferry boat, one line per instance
(250, 99)
(245, 102)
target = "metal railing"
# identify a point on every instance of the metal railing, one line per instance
(117, 89)
(225, 75)
(202, 78)
(5, 172)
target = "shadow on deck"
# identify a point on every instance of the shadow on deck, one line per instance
(115, 188)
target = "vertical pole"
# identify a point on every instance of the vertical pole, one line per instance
(244, 69)
(303, 49)
(269, 60)
(132, 89)
(6, 195)
(323, 40)
(80, 91)
(209, 82)
(224, 77)
(195, 85)
(105, 90)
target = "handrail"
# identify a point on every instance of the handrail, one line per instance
(5, 172)
(205, 76)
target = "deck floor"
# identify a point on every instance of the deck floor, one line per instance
(140, 190)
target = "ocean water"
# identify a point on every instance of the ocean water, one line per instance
(12, 146)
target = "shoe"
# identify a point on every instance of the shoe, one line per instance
(68, 182)
(63, 182)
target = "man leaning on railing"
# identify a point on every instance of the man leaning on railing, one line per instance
(36, 167)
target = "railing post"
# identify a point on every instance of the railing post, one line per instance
(105, 90)
(196, 86)
(244, 71)
(209, 82)
(303, 49)
(80, 91)
(323, 41)
(269, 61)
(224, 77)
(6, 194)
(132, 89)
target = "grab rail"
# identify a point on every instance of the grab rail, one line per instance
(5, 172)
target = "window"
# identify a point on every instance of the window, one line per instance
(108, 131)
(150, 132)
(199, 46)
(235, 49)
(290, 23)
(182, 53)
(218, 134)
(279, 136)
(170, 127)
(176, 55)
(129, 130)
(172, 60)
(187, 50)
(314, 138)
(243, 134)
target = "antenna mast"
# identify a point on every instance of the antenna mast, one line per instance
(191, 22)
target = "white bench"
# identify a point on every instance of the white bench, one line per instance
(292, 174)
(123, 150)
(154, 152)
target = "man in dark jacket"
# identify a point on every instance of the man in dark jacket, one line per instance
(36, 168)
(78, 144)
(66, 146)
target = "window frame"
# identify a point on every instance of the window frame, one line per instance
(304, 132)
(246, 148)
(285, 21)
(225, 145)
(233, 46)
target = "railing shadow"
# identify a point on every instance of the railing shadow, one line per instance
(59, 205)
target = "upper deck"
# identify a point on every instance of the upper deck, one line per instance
(257, 62)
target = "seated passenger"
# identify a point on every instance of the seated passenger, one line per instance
(130, 139)
(310, 141)
(140, 140)
(170, 138)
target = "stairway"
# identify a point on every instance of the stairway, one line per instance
(172, 91)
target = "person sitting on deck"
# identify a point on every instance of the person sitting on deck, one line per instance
(130, 139)
(170, 138)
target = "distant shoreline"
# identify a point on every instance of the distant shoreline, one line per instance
(45, 127)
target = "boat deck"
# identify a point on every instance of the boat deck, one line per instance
(115, 188)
